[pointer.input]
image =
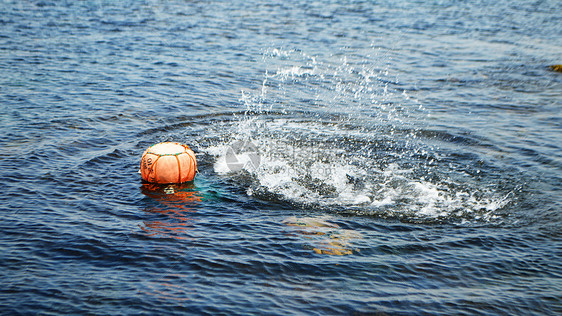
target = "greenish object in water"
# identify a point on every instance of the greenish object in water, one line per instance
(556, 67)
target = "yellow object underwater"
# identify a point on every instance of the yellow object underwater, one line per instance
(327, 238)
(556, 67)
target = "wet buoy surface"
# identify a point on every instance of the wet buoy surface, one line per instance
(168, 162)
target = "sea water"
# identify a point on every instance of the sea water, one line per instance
(355, 157)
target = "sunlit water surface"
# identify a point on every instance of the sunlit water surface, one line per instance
(355, 157)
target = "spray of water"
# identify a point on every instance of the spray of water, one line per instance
(338, 133)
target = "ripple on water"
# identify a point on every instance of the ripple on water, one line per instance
(396, 158)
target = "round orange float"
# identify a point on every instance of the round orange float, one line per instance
(168, 162)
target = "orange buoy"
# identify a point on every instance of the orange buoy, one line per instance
(168, 162)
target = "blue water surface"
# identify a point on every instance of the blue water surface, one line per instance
(397, 157)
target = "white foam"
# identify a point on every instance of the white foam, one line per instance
(294, 71)
(326, 177)
(294, 168)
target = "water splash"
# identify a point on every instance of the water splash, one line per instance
(341, 136)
